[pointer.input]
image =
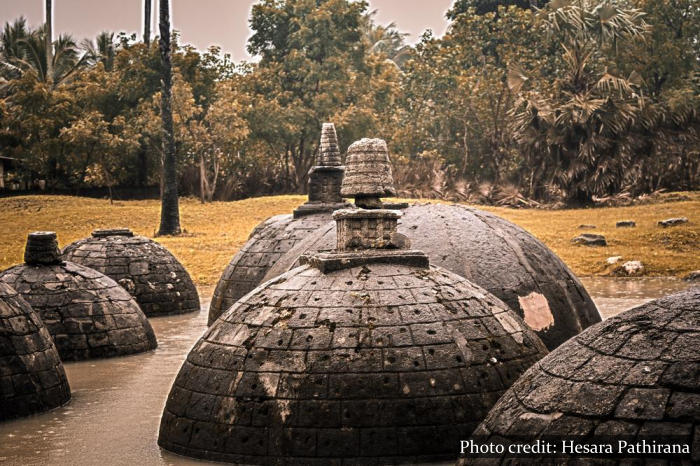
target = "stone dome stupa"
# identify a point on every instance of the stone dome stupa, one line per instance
(32, 378)
(278, 234)
(143, 267)
(87, 313)
(365, 354)
(491, 252)
(633, 377)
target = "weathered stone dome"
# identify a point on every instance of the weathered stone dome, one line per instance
(278, 234)
(32, 378)
(146, 269)
(491, 252)
(364, 354)
(634, 376)
(87, 313)
(377, 363)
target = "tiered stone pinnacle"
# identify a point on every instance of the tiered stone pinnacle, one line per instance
(367, 235)
(368, 173)
(42, 248)
(325, 177)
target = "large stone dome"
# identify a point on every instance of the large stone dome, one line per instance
(146, 269)
(32, 378)
(493, 253)
(276, 235)
(364, 354)
(378, 363)
(633, 376)
(87, 313)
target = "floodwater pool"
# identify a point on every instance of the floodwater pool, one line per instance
(114, 414)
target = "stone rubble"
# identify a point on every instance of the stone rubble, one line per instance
(590, 239)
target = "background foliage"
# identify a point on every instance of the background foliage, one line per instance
(519, 103)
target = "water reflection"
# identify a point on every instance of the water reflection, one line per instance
(115, 411)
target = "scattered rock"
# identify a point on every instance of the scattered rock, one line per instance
(613, 260)
(672, 222)
(585, 226)
(589, 239)
(630, 268)
(693, 276)
(626, 224)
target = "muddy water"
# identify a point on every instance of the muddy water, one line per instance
(115, 411)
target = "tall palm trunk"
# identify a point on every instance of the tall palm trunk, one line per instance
(169, 210)
(147, 22)
(49, 41)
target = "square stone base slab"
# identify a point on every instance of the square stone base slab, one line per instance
(311, 208)
(328, 262)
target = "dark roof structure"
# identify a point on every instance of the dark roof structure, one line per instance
(364, 355)
(87, 313)
(635, 376)
(32, 378)
(278, 234)
(146, 269)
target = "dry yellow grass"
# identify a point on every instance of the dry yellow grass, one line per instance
(217, 230)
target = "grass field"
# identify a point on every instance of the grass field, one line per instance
(215, 231)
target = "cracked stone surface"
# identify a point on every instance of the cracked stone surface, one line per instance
(87, 313)
(266, 244)
(146, 269)
(32, 378)
(636, 374)
(491, 252)
(377, 363)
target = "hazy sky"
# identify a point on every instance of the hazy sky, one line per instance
(205, 22)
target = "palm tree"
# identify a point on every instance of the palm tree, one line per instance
(578, 135)
(49, 39)
(11, 48)
(169, 211)
(386, 40)
(102, 50)
(147, 22)
(25, 51)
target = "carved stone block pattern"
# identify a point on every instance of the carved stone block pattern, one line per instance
(636, 374)
(373, 364)
(146, 269)
(87, 314)
(32, 378)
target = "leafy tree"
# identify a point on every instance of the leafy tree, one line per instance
(311, 53)
(481, 7)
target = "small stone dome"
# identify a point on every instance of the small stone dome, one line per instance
(491, 252)
(32, 378)
(278, 234)
(634, 376)
(88, 314)
(363, 354)
(146, 269)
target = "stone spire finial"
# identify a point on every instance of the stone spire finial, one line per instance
(42, 248)
(328, 150)
(325, 177)
(368, 173)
